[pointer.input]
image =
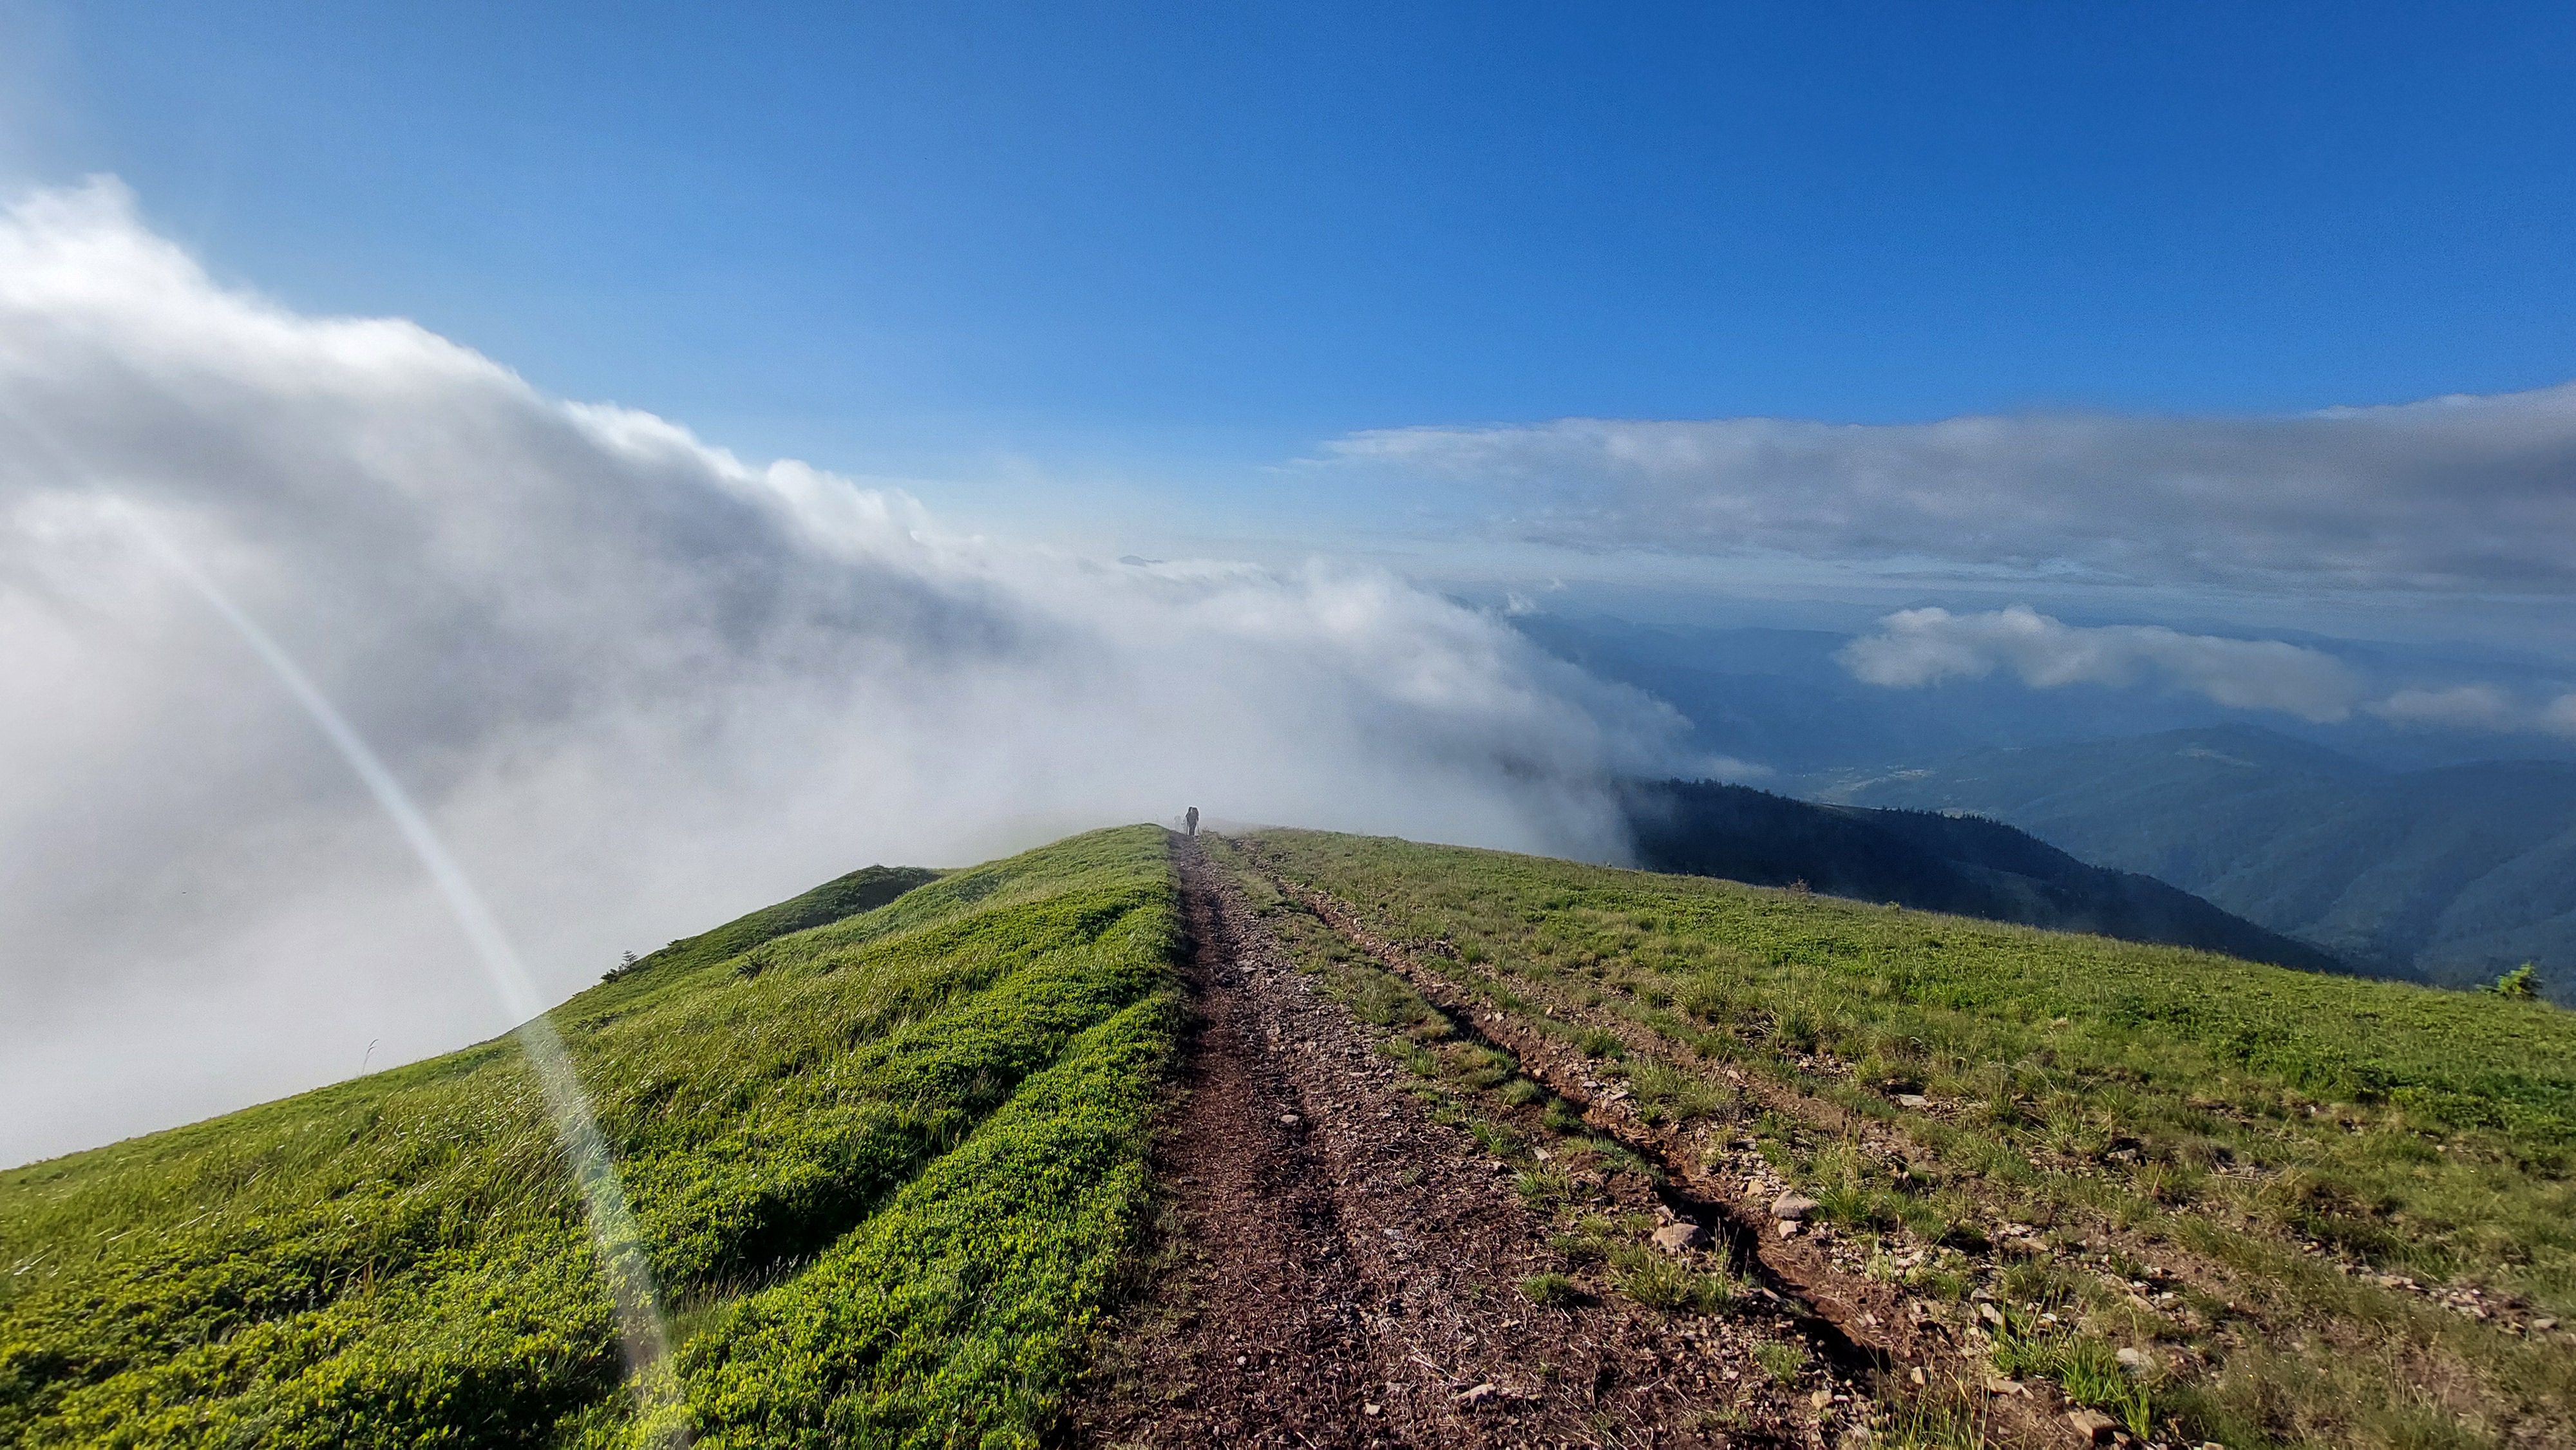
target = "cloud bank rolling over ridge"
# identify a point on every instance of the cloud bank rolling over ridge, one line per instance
(641, 684)
(638, 683)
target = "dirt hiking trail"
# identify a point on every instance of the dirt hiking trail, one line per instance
(1335, 1268)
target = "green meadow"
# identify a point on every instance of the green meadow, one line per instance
(885, 1147)
(2302, 1137)
(885, 1157)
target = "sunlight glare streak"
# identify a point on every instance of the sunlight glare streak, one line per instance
(642, 1341)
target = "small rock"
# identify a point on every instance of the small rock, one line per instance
(1479, 1394)
(1912, 1100)
(1793, 1206)
(2092, 1424)
(1679, 1235)
(1999, 1385)
(1370, 1410)
(1821, 1399)
(2135, 1361)
(1991, 1315)
(2544, 1325)
(1788, 1228)
(1290, 1120)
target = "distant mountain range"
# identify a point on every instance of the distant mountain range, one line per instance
(2455, 873)
(1778, 699)
(1962, 865)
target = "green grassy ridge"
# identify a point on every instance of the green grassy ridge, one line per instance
(865, 889)
(2232, 1109)
(936, 1106)
(2454, 1060)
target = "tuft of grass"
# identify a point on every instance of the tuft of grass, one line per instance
(1581, 1248)
(2086, 1368)
(1596, 1043)
(1781, 1360)
(1658, 1282)
(1551, 1291)
(1949, 1417)
(1545, 1187)
(1666, 1093)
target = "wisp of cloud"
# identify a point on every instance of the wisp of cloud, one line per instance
(1917, 647)
(1913, 648)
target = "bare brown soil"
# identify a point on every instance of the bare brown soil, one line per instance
(1337, 1269)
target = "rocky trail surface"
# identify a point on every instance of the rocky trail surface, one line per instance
(1337, 1268)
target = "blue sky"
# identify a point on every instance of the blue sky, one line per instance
(1098, 272)
(1276, 223)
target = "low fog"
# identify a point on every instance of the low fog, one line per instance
(639, 685)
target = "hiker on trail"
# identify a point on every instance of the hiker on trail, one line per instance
(1191, 822)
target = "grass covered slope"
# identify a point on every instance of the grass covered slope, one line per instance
(883, 1167)
(2360, 1196)
(862, 890)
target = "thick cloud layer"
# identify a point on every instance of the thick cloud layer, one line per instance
(2472, 494)
(639, 684)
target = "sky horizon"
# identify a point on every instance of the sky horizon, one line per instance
(702, 454)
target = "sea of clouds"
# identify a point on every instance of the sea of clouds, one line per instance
(640, 685)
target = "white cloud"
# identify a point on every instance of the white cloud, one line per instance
(2461, 707)
(639, 684)
(2477, 707)
(2468, 494)
(1918, 647)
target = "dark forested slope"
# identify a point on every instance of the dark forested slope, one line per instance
(2455, 873)
(1962, 865)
